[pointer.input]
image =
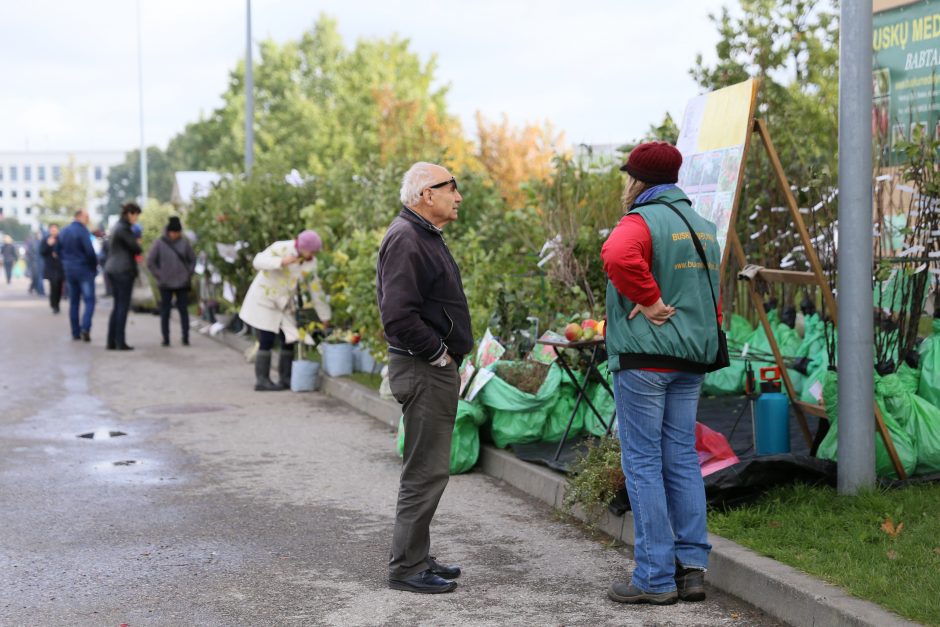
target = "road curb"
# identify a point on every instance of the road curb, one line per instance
(780, 590)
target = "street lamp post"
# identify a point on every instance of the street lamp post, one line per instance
(249, 97)
(856, 372)
(140, 96)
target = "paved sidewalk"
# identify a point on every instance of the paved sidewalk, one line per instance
(244, 508)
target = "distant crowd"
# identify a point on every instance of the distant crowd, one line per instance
(69, 260)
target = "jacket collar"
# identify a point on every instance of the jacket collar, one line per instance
(412, 216)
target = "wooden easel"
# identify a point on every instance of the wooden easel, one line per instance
(813, 277)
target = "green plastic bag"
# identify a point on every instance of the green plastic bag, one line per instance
(819, 366)
(518, 416)
(903, 443)
(557, 420)
(929, 387)
(919, 417)
(727, 381)
(813, 343)
(740, 329)
(465, 442)
(603, 402)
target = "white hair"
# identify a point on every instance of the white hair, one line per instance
(416, 180)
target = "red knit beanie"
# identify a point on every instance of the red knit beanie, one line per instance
(654, 162)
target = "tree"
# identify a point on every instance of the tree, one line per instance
(124, 179)
(514, 156)
(319, 105)
(14, 228)
(70, 195)
(792, 46)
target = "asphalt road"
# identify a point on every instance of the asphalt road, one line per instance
(223, 506)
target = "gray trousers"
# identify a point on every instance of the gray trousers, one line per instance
(428, 395)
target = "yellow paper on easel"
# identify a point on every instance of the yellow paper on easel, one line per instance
(726, 118)
(712, 140)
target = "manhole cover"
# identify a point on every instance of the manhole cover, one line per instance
(183, 408)
(126, 462)
(101, 434)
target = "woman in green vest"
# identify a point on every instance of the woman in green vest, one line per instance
(661, 337)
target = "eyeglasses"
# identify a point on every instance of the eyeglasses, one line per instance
(452, 181)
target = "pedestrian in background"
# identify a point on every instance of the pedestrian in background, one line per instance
(171, 261)
(34, 264)
(80, 263)
(427, 325)
(9, 254)
(52, 267)
(661, 338)
(271, 302)
(121, 269)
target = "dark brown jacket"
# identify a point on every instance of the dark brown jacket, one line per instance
(421, 299)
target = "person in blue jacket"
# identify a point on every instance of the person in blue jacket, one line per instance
(81, 266)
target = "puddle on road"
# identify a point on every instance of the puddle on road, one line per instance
(175, 409)
(101, 434)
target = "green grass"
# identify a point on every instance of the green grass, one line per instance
(841, 540)
(372, 381)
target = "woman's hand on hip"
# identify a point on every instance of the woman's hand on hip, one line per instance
(657, 313)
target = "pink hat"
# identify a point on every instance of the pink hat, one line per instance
(309, 242)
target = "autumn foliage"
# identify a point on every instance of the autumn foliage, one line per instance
(513, 156)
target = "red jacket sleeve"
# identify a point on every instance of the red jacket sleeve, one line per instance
(627, 256)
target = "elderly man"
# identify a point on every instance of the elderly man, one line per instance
(427, 326)
(81, 265)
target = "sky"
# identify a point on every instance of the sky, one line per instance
(601, 71)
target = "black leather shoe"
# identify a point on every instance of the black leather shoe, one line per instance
(86, 336)
(125, 347)
(447, 571)
(185, 341)
(424, 582)
(165, 343)
(690, 583)
(111, 347)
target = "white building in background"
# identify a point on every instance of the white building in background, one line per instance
(24, 175)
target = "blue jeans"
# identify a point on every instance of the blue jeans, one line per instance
(81, 283)
(656, 419)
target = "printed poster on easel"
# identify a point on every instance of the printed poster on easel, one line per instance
(713, 140)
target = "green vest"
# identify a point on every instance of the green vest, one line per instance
(689, 340)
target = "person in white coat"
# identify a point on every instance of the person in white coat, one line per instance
(271, 302)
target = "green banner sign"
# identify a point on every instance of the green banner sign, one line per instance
(906, 75)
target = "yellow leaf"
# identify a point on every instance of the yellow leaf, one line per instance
(888, 527)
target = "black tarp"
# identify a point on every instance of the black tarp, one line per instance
(737, 484)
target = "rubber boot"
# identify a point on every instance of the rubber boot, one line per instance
(263, 382)
(285, 361)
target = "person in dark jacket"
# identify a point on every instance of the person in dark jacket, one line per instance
(427, 325)
(121, 269)
(52, 267)
(172, 262)
(9, 254)
(81, 265)
(34, 265)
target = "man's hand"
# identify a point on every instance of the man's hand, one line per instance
(288, 260)
(657, 313)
